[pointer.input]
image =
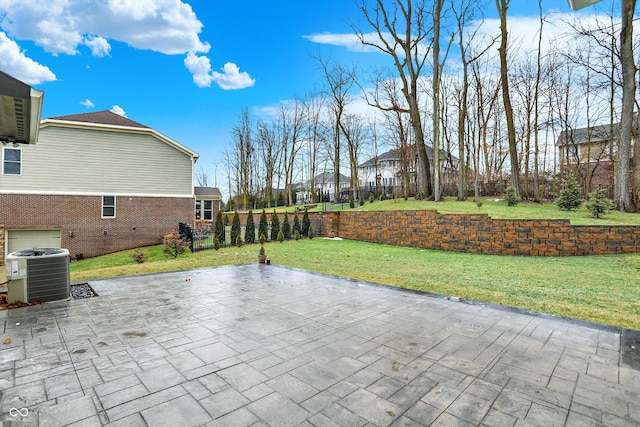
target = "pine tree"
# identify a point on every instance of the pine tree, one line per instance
(250, 229)
(235, 227)
(286, 227)
(296, 224)
(219, 231)
(263, 227)
(305, 224)
(599, 204)
(275, 226)
(511, 196)
(569, 197)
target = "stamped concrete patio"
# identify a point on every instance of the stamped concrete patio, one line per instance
(269, 345)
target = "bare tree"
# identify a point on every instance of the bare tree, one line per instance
(622, 195)
(244, 152)
(339, 81)
(503, 6)
(402, 28)
(465, 11)
(202, 177)
(267, 140)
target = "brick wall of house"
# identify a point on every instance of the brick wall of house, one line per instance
(1, 250)
(481, 234)
(139, 221)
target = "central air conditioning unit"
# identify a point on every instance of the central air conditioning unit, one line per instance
(40, 274)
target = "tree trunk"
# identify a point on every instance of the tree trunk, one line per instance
(502, 6)
(623, 199)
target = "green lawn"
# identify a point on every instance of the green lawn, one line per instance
(491, 206)
(603, 289)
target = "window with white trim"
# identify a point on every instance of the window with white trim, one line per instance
(11, 161)
(108, 206)
(204, 210)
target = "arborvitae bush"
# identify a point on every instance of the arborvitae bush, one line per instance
(280, 236)
(361, 200)
(216, 243)
(310, 235)
(286, 227)
(382, 196)
(280, 201)
(570, 196)
(352, 203)
(296, 224)
(263, 226)
(219, 231)
(371, 198)
(511, 197)
(239, 241)
(263, 238)
(275, 226)
(296, 235)
(250, 229)
(306, 223)
(599, 204)
(235, 227)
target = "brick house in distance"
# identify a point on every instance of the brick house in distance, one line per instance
(94, 183)
(591, 151)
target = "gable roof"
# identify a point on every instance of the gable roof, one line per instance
(327, 177)
(104, 117)
(207, 191)
(109, 121)
(395, 155)
(581, 136)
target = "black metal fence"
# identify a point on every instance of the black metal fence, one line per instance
(202, 237)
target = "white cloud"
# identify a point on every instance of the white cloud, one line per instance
(14, 62)
(118, 110)
(350, 41)
(99, 45)
(231, 78)
(60, 26)
(87, 103)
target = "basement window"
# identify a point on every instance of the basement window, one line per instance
(11, 161)
(108, 206)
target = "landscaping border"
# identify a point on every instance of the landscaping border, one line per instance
(479, 233)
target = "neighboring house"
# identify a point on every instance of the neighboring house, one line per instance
(590, 149)
(95, 183)
(208, 200)
(389, 171)
(323, 182)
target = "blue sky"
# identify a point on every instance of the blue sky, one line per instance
(187, 68)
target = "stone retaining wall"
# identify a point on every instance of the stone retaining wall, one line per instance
(480, 233)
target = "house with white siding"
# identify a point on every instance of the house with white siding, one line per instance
(95, 183)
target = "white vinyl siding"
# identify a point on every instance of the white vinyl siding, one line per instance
(90, 161)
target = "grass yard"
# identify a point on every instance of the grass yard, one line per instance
(491, 206)
(603, 289)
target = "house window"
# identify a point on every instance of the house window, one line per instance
(12, 161)
(204, 210)
(108, 206)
